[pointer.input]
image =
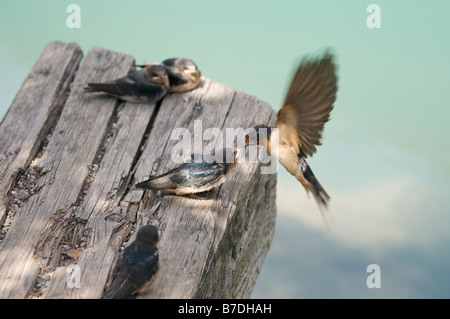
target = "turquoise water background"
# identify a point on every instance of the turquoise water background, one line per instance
(385, 155)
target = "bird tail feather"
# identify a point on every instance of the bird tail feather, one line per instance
(157, 183)
(311, 184)
(102, 87)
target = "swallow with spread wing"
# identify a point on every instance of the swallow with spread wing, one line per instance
(300, 122)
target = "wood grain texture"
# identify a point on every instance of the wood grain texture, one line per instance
(103, 218)
(193, 230)
(240, 249)
(33, 110)
(39, 226)
(210, 248)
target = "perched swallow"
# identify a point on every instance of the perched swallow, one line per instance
(148, 85)
(191, 178)
(183, 74)
(137, 267)
(300, 122)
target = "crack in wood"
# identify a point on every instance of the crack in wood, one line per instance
(26, 180)
(85, 210)
(70, 228)
(142, 145)
(67, 230)
(26, 185)
(229, 109)
(107, 140)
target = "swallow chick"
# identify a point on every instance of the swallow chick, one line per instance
(183, 74)
(137, 267)
(148, 85)
(300, 122)
(191, 178)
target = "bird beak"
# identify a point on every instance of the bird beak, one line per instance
(191, 71)
(247, 140)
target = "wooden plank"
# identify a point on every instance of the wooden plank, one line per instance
(182, 236)
(192, 230)
(39, 226)
(185, 224)
(100, 210)
(239, 249)
(208, 248)
(33, 111)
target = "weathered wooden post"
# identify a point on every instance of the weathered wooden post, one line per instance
(68, 160)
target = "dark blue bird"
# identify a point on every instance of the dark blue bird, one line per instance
(137, 267)
(191, 178)
(148, 85)
(184, 74)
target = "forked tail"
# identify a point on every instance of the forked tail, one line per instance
(311, 184)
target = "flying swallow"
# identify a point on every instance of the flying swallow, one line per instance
(137, 267)
(148, 85)
(300, 122)
(183, 74)
(191, 178)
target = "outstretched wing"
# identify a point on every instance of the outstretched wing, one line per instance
(308, 104)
